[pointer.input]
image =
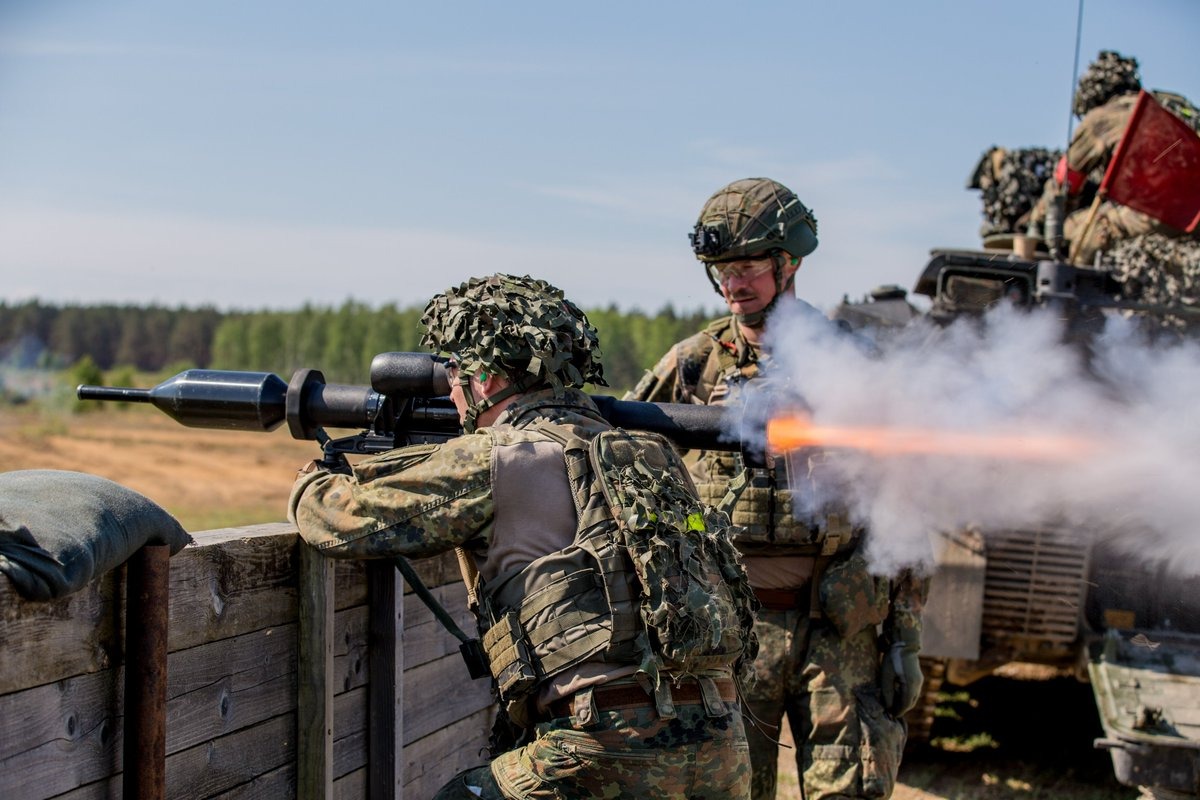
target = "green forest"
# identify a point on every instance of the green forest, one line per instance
(122, 340)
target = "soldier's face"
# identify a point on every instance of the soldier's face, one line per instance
(749, 285)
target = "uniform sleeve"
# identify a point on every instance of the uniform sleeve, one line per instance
(413, 501)
(1096, 138)
(660, 384)
(909, 592)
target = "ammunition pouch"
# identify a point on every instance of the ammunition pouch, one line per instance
(511, 662)
(767, 522)
(561, 624)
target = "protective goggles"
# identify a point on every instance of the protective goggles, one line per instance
(745, 269)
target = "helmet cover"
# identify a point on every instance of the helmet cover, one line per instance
(522, 328)
(753, 217)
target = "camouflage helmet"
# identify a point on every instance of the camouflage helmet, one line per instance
(752, 217)
(522, 328)
(1110, 75)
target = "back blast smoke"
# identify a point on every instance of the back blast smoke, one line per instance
(996, 423)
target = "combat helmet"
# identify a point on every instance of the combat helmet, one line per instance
(521, 328)
(751, 218)
(1110, 75)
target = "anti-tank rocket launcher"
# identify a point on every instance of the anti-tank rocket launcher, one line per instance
(407, 403)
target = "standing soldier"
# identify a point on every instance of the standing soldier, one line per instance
(1104, 102)
(615, 613)
(842, 684)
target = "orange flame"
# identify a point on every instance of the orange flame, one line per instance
(798, 431)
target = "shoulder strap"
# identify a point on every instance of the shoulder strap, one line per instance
(471, 649)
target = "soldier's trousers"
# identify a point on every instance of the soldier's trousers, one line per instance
(627, 753)
(847, 746)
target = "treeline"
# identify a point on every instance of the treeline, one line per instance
(145, 338)
(338, 341)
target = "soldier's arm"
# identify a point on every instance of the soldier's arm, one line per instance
(1096, 138)
(909, 593)
(413, 501)
(900, 679)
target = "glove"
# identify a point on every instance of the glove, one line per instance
(900, 677)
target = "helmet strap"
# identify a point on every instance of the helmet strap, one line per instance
(475, 408)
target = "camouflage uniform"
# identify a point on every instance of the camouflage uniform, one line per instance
(1104, 100)
(611, 718)
(1091, 149)
(819, 657)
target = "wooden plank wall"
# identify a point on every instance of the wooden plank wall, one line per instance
(231, 680)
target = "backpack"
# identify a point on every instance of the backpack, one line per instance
(696, 603)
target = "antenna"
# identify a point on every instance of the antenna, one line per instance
(1074, 76)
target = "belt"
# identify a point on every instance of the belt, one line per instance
(782, 599)
(630, 695)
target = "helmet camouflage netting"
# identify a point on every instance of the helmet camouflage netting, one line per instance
(522, 328)
(1110, 75)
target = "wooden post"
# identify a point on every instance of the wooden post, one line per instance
(314, 669)
(384, 726)
(144, 773)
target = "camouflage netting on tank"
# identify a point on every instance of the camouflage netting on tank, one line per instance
(1011, 181)
(1157, 269)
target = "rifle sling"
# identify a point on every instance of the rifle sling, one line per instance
(443, 616)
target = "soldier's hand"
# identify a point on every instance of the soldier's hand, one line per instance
(901, 679)
(311, 466)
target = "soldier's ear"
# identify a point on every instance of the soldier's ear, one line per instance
(492, 383)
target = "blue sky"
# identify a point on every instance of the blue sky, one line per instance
(267, 154)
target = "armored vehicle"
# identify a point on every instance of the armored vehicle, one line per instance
(1057, 596)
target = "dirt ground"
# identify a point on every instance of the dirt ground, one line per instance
(1004, 738)
(997, 739)
(206, 478)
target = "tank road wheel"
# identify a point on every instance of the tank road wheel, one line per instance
(920, 718)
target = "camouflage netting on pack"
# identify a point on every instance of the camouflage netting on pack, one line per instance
(523, 328)
(1010, 182)
(1157, 269)
(696, 601)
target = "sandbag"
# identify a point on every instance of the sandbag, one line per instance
(60, 529)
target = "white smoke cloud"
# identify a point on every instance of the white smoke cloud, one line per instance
(1133, 406)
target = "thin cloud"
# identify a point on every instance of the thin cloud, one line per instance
(632, 196)
(723, 152)
(49, 48)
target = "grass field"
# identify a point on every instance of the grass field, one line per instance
(997, 739)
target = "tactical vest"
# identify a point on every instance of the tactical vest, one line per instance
(649, 580)
(768, 516)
